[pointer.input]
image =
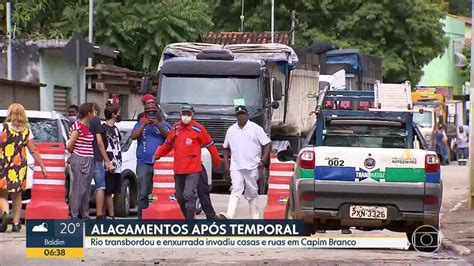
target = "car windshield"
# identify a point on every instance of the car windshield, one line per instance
(222, 91)
(43, 129)
(367, 136)
(423, 120)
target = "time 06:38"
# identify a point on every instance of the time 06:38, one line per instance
(54, 252)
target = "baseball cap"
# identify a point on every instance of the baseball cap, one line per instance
(147, 97)
(187, 107)
(240, 109)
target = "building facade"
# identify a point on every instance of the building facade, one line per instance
(444, 71)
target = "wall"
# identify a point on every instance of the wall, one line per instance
(135, 105)
(131, 103)
(28, 96)
(24, 62)
(56, 70)
(441, 70)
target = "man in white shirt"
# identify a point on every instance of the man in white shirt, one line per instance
(244, 141)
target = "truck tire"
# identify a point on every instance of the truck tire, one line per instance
(122, 200)
(263, 181)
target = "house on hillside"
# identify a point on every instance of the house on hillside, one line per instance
(444, 71)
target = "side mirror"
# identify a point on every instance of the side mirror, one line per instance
(277, 90)
(286, 156)
(145, 85)
(275, 105)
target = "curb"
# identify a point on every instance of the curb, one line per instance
(458, 249)
(448, 244)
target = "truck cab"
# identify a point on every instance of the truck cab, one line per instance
(214, 82)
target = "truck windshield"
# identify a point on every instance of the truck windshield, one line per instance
(423, 120)
(222, 91)
(370, 136)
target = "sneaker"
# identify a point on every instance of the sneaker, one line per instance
(215, 217)
(100, 217)
(346, 231)
(320, 231)
(222, 216)
(16, 228)
(4, 226)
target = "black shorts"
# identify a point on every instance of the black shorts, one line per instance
(112, 183)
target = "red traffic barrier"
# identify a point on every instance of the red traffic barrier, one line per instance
(278, 188)
(48, 194)
(165, 205)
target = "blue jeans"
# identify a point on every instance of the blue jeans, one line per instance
(99, 176)
(145, 186)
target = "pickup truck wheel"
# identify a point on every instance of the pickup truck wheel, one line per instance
(122, 200)
(263, 181)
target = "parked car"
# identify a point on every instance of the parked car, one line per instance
(46, 127)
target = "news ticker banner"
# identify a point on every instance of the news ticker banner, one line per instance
(68, 238)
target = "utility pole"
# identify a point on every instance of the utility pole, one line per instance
(273, 21)
(471, 124)
(91, 41)
(9, 42)
(91, 27)
(242, 17)
(293, 25)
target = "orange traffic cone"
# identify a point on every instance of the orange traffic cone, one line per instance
(165, 204)
(48, 195)
(278, 188)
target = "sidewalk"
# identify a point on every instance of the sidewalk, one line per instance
(458, 227)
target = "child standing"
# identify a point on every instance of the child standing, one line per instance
(112, 115)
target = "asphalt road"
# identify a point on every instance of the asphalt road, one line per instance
(12, 251)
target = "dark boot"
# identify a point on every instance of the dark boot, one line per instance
(4, 225)
(190, 214)
(16, 228)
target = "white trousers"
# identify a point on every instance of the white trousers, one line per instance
(244, 181)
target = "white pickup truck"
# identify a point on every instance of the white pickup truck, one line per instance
(366, 169)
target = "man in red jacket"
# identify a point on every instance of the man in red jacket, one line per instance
(186, 138)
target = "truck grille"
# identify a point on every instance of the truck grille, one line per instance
(216, 128)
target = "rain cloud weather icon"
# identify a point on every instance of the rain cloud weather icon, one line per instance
(42, 228)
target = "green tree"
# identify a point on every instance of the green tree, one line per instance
(460, 7)
(139, 29)
(407, 34)
(465, 71)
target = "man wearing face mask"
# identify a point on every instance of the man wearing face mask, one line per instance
(150, 132)
(72, 112)
(186, 138)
